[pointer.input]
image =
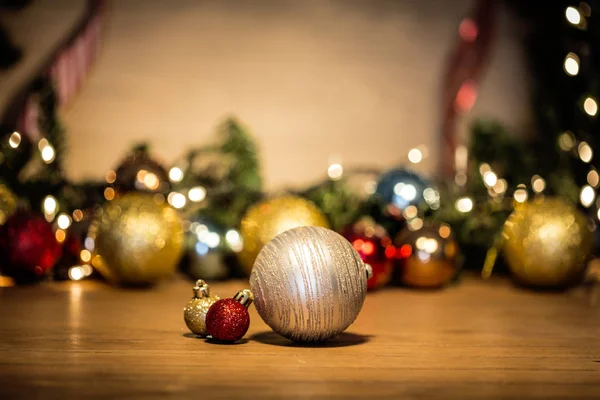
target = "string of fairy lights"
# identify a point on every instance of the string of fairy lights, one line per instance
(496, 185)
(567, 142)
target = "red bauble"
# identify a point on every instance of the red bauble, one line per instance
(370, 241)
(227, 320)
(28, 247)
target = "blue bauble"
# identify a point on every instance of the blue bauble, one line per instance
(400, 188)
(206, 247)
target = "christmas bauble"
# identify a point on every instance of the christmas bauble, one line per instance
(206, 245)
(428, 257)
(370, 241)
(194, 312)
(546, 243)
(228, 320)
(8, 203)
(400, 188)
(137, 240)
(309, 284)
(268, 218)
(139, 172)
(28, 247)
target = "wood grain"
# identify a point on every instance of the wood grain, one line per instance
(474, 340)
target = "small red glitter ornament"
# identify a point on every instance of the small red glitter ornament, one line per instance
(228, 320)
(28, 247)
(370, 241)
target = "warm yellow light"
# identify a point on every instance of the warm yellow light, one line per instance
(460, 178)
(415, 224)
(370, 187)
(77, 215)
(176, 199)
(420, 242)
(63, 221)
(464, 204)
(109, 193)
(87, 269)
(151, 181)
(571, 64)
(60, 235)
(14, 140)
(76, 273)
(587, 195)
(521, 195)
(197, 194)
(599, 213)
(500, 186)
(85, 255)
(590, 106)
(445, 231)
(538, 184)
(415, 156)
(431, 245)
(111, 176)
(410, 212)
(573, 15)
(48, 154)
(335, 171)
(234, 240)
(483, 168)
(593, 178)
(585, 152)
(566, 141)
(490, 179)
(175, 174)
(141, 175)
(50, 205)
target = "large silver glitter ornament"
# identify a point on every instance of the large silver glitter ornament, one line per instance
(309, 284)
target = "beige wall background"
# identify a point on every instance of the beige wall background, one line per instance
(357, 80)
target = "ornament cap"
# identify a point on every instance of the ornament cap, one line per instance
(201, 290)
(244, 297)
(369, 271)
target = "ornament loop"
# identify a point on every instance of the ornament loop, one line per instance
(201, 289)
(244, 297)
(369, 271)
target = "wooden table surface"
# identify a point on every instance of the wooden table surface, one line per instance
(473, 340)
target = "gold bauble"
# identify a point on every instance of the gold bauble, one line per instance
(8, 203)
(546, 243)
(269, 218)
(137, 240)
(194, 313)
(428, 257)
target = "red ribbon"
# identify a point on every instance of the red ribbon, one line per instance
(465, 68)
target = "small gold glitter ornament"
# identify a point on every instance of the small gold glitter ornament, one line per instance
(8, 203)
(309, 284)
(137, 240)
(546, 243)
(269, 218)
(194, 313)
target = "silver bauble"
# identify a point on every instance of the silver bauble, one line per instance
(309, 284)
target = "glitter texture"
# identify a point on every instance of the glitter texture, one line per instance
(271, 217)
(309, 284)
(138, 241)
(546, 243)
(227, 320)
(8, 203)
(194, 314)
